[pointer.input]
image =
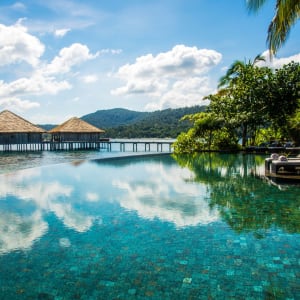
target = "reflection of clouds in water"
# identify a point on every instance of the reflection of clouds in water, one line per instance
(165, 194)
(47, 196)
(41, 193)
(20, 232)
(153, 190)
(64, 243)
(92, 197)
(71, 218)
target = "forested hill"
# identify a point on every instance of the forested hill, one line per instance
(123, 123)
(113, 117)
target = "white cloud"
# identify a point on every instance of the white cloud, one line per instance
(277, 63)
(168, 76)
(186, 92)
(110, 51)
(69, 57)
(19, 6)
(17, 104)
(90, 78)
(61, 32)
(17, 45)
(38, 84)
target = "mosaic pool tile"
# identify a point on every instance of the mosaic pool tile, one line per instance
(258, 288)
(118, 247)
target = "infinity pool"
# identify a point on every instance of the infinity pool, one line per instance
(156, 227)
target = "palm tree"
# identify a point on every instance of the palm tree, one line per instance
(238, 69)
(287, 13)
(240, 81)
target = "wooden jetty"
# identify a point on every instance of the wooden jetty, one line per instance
(18, 134)
(140, 145)
(114, 145)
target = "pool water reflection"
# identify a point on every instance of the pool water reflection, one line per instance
(161, 227)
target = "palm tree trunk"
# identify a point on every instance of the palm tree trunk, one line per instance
(244, 135)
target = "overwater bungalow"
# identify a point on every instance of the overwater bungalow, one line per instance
(75, 134)
(76, 130)
(17, 133)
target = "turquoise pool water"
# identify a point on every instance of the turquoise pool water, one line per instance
(161, 227)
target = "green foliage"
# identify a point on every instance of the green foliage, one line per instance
(246, 87)
(252, 99)
(294, 127)
(186, 143)
(284, 98)
(111, 118)
(225, 140)
(286, 15)
(267, 135)
(208, 133)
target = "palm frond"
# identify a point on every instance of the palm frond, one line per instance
(287, 14)
(254, 5)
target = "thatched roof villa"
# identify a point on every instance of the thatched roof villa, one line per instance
(76, 130)
(16, 130)
(19, 134)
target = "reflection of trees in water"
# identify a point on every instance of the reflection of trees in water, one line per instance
(124, 161)
(245, 202)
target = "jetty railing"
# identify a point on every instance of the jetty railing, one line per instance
(107, 145)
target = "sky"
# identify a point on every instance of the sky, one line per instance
(68, 58)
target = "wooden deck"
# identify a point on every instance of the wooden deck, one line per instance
(107, 145)
(288, 169)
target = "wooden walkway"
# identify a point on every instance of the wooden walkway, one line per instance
(111, 145)
(145, 146)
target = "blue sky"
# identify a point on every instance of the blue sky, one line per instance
(65, 58)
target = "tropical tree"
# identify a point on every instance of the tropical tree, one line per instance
(287, 13)
(238, 69)
(253, 103)
(294, 127)
(284, 96)
(246, 87)
(201, 135)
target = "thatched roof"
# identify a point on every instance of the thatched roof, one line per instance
(11, 123)
(76, 125)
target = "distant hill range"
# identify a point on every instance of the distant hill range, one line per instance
(124, 123)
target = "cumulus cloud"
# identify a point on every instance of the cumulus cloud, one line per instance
(277, 63)
(69, 57)
(61, 32)
(90, 78)
(168, 74)
(17, 104)
(186, 92)
(37, 84)
(17, 46)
